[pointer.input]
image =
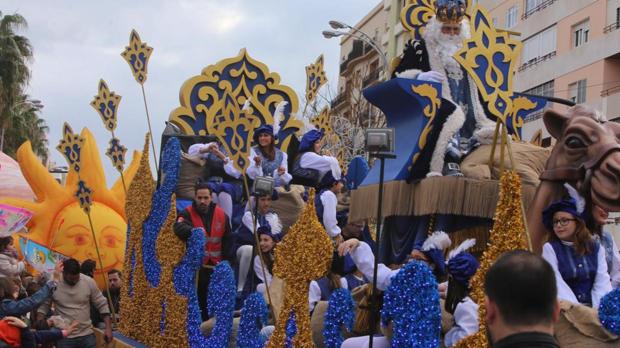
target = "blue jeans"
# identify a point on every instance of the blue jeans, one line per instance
(87, 341)
(47, 336)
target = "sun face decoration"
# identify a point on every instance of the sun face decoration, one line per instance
(59, 223)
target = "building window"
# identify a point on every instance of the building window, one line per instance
(577, 91)
(618, 16)
(511, 16)
(580, 33)
(539, 45)
(531, 4)
(545, 90)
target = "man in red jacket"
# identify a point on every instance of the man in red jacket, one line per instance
(208, 216)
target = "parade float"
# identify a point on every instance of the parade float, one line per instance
(129, 226)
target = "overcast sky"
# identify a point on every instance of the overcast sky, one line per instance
(78, 42)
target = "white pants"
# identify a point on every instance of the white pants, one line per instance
(244, 258)
(362, 342)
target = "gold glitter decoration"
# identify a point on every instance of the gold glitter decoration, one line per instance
(135, 323)
(142, 312)
(304, 254)
(508, 234)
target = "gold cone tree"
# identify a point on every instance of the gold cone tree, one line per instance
(508, 234)
(305, 254)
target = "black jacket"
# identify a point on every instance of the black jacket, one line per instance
(183, 229)
(527, 339)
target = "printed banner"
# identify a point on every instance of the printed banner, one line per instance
(12, 219)
(38, 256)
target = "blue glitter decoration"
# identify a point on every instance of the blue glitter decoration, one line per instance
(169, 165)
(609, 311)
(411, 302)
(253, 316)
(162, 320)
(291, 330)
(184, 279)
(339, 313)
(221, 304)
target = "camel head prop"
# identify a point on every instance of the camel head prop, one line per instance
(586, 154)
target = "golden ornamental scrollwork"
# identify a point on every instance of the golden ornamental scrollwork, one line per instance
(315, 78)
(70, 146)
(414, 16)
(519, 104)
(322, 121)
(433, 102)
(106, 104)
(490, 58)
(137, 55)
(203, 97)
(233, 130)
(428, 91)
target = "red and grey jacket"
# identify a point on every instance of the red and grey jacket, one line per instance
(217, 231)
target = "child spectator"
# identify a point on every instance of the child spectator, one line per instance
(10, 266)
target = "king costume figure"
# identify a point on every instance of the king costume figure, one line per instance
(463, 124)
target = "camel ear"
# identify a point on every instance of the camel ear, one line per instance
(554, 122)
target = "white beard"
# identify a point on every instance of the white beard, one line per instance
(445, 46)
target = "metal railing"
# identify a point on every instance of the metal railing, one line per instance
(543, 5)
(530, 63)
(359, 49)
(340, 98)
(610, 91)
(613, 26)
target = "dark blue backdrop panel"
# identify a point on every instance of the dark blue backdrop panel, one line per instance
(401, 233)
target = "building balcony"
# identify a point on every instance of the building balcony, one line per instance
(340, 98)
(359, 49)
(371, 78)
(532, 62)
(543, 5)
(611, 102)
(613, 26)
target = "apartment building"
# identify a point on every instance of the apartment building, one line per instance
(360, 67)
(571, 50)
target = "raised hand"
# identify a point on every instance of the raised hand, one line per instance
(348, 246)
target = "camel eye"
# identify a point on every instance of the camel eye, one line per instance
(575, 143)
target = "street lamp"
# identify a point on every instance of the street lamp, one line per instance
(361, 36)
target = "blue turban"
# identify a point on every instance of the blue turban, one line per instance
(565, 205)
(266, 128)
(266, 230)
(309, 139)
(462, 267)
(436, 256)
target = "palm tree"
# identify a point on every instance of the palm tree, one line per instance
(27, 125)
(15, 53)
